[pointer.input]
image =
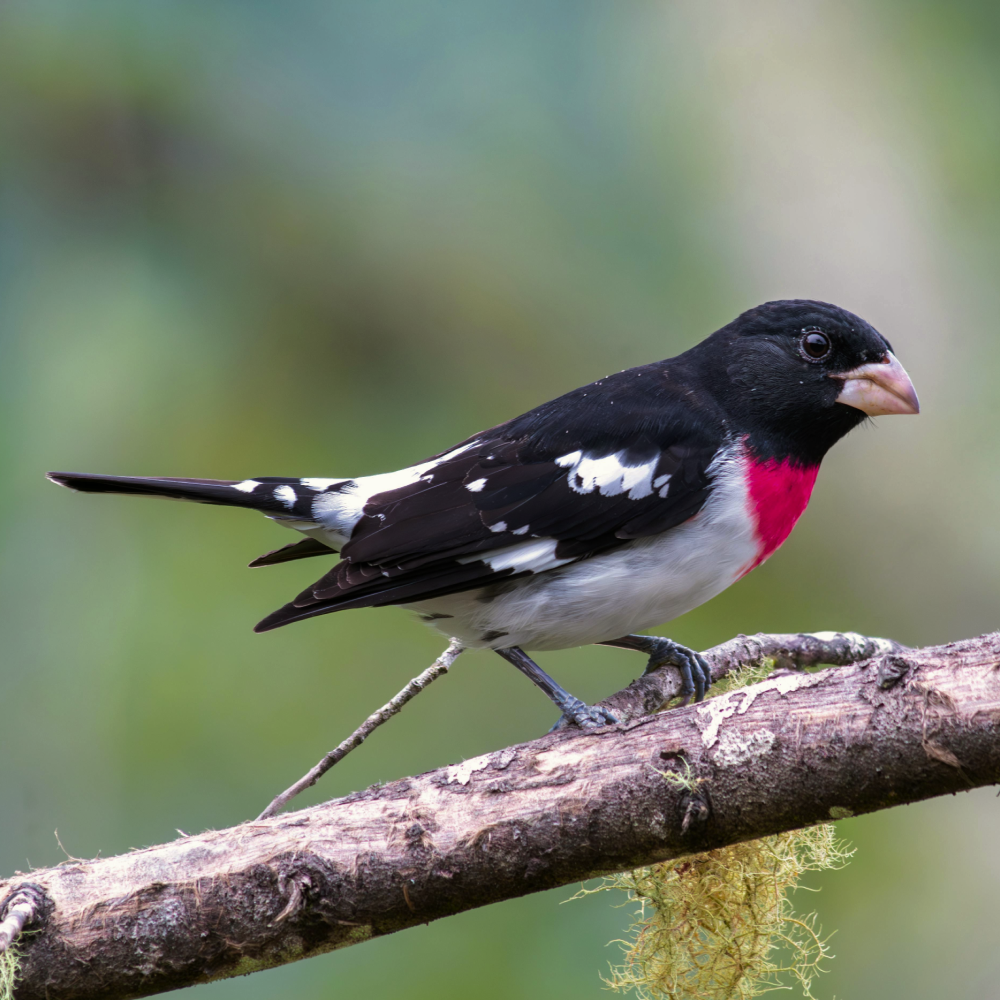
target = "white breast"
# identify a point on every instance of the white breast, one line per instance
(640, 585)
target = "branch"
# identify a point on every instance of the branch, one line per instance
(791, 751)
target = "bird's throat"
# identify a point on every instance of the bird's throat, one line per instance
(778, 491)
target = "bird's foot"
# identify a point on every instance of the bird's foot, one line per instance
(696, 675)
(574, 711)
(579, 713)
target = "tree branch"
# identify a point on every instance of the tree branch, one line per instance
(793, 750)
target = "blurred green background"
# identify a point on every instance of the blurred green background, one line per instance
(319, 238)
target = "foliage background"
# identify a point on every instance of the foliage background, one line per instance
(327, 238)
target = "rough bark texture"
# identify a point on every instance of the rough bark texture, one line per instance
(793, 750)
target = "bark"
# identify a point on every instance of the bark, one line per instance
(794, 750)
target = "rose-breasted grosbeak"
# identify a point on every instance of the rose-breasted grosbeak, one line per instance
(609, 510)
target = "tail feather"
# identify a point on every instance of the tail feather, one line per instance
(296, 550)
(285, 497)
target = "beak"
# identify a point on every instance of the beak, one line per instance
(879, 388)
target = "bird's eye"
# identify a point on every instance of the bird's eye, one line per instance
(816, 345)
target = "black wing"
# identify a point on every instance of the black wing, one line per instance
(620, 459)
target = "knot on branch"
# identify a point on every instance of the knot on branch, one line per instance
(695, 800)
(891, 669)
(24, 904)
(697, 806)
(296, 885)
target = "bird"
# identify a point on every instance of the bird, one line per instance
(596, 516)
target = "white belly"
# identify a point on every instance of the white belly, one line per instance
(638, 586)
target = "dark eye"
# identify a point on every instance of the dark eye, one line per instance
(816, 345)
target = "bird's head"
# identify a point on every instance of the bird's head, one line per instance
(801, 374)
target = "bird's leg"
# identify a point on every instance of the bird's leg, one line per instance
(696, 675)
(574, 710)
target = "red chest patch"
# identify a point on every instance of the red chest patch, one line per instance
(777, 494)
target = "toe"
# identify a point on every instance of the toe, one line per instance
(699, 679)
(589, 717)
(561, 723)
(578, 713)
(598, 716)
(706, 669)
(688, 684)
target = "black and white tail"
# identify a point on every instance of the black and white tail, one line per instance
(269, 495)
(276, 497)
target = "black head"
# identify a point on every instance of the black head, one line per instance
(797, 375)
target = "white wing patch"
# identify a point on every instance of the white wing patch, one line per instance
(247, 486)
(535, 556)
(286, 495)
(611, 476)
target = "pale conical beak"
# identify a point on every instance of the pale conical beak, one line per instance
(879, 388)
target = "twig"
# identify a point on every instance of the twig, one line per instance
(440, 666)
(19, 909)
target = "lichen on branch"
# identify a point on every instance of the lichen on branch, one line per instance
(9, 970)
(720, 925)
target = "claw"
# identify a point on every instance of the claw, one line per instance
(688, 683)
(586, 717)
(601, 716)
(706, 670)
(695, 673)
(589, 716)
